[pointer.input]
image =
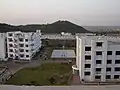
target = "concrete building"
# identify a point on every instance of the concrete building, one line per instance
(97, 58)
(3, 45)
(23, 45)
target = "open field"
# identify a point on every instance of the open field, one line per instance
(46, 74)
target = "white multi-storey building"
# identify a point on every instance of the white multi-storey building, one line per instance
(97, 58)
(3, 45)
(23, 45)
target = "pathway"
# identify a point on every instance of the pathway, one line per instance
(75, 80)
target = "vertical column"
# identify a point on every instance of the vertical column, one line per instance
(82, 58)
(93, 45)
(113, 64)
(104, 59)
(77, 51)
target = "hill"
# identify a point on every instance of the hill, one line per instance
(5, 28)
(56, 27)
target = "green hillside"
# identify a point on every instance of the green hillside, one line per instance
(56, 27)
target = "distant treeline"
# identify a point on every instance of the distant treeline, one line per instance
(108, 32)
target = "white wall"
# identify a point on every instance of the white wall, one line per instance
(80, 58)
(26, 35)
(2, 47)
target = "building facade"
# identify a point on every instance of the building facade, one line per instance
(98, 58)
(3, 46)
(23, 45)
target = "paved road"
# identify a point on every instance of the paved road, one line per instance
(82, 87)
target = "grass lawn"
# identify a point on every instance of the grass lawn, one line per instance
(42, 75)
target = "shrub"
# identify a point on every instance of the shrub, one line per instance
(52, 80)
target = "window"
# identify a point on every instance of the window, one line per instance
(16, 45)
(117, 52)
(15, 40)
(108, 76)
(10, 34)
(21, 55)
(109, 52)
(98, 61)
(98, 69)
(87, 57)
(26, 40)
(117, 68)
(10, 45)
(117, 61)
(32, 44)
(27, 50)
(86, 73)
(21, 45)
(109, 61)
(21, 39)
(116, 76)
(99, 44)
(87, 48)
(32, 39)
(10, 50)
(26, 45)
(87, 65)
(21, 50)
(97, 77)
(16, 51)
(32, 49)
(11, 55)
(108, 69)
(10, 39)
(27, 55)
(98, 53)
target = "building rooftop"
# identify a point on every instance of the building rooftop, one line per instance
(111, 39)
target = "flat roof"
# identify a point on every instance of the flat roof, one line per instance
(111, 39)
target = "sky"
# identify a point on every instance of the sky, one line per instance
(81, 12)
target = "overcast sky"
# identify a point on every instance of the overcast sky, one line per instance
(81, 12)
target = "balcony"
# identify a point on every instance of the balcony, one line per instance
(15, 40)
(19, 34)
(15, 46)
(16, 50)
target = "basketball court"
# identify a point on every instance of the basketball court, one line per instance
(63, 54)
